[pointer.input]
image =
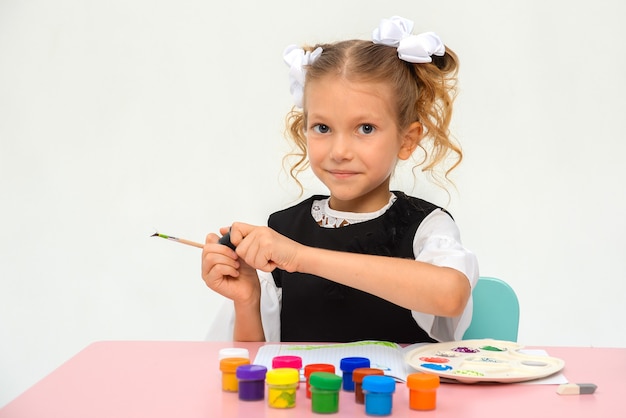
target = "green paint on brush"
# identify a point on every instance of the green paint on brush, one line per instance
(342, 345)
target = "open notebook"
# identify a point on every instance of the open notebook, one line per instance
(383, 355)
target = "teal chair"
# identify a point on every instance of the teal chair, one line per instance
(496, 311)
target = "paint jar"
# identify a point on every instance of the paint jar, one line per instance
(251, 379)
(347, 365)
(378, 394)
(422, 391)
(233, 352)
(281, 387)
(325, 392)
(228, 367)
(357, 378)
(291, 362)
(312, 368)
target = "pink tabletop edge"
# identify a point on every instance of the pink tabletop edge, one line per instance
(170, 378)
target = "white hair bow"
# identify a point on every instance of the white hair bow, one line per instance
(396, 31)
(296, 58)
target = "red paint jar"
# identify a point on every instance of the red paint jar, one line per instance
(315, 367)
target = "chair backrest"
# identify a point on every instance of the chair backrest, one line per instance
(496, 311)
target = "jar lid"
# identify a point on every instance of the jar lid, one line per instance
(325, 380)
(360, 373)
(293, 362)
(251, 372)
(233, 352)
(422, 381)
(318, 367)
(348, 364)
(230, 364)
(282, 376)
(379, 384)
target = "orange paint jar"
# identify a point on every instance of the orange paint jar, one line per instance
(422, 391)
(228, 367)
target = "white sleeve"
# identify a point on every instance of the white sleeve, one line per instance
(223, 324)
(271, 298)
(438, 242)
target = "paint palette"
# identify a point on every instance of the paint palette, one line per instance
(473, 361)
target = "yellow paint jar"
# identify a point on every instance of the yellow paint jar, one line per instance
(228, 367)
(281, 387)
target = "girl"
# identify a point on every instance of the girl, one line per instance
(364, 263)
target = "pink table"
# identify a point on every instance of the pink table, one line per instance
(181, 379)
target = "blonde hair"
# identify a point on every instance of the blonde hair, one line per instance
(425, 93)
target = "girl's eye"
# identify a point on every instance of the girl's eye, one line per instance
(366, 129)
(320, 128)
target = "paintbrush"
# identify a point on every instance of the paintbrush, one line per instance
(181, 240)
(224, 240)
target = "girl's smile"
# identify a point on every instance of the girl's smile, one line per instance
(342, 173)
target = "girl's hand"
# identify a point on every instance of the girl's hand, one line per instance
(265, 249)
(225, 273)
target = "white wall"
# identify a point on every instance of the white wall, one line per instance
(123, 116)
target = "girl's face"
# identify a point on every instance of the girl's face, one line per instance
(354, 142)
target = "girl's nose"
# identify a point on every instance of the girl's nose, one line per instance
(341, 148)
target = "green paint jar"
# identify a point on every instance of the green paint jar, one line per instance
(325, 392)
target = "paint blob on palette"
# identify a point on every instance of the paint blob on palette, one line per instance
(473, 361)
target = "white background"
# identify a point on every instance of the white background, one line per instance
(118, 117)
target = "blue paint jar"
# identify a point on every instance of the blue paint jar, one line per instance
(378, 392)
(251, 378)
(347, 366)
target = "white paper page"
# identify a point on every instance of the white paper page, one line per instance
(382, 355)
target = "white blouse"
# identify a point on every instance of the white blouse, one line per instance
(437, 241)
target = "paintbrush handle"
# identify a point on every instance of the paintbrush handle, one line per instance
(192, 243)
(225, 240)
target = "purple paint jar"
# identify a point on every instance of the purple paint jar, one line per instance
(251, 378)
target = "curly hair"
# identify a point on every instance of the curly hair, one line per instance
(425, 93)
